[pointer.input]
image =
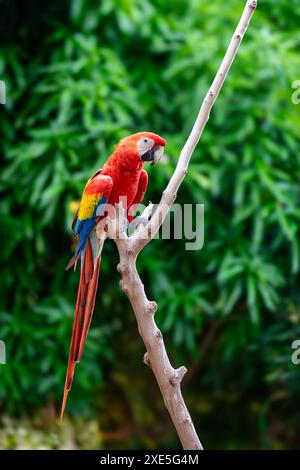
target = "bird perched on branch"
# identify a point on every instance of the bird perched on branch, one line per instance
(121, 178)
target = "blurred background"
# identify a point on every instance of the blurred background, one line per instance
(79, 76)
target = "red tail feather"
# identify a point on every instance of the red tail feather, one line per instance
(86, 297)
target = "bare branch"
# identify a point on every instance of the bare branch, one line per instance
(169, 194)
(156, 357)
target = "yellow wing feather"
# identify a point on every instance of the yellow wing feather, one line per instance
(87, 205)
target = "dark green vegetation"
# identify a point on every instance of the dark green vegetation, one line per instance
(82, 74)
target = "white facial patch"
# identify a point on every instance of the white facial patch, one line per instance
(144, 144)
(158, 153)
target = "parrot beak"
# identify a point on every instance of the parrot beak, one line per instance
(154, 154)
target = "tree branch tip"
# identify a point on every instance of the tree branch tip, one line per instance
(253, 4)
(150, 206)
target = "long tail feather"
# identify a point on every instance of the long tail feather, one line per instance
(71, 262)
(90, 304)
(85, 303)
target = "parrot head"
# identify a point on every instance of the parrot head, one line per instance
(150, 147)
(144, 146)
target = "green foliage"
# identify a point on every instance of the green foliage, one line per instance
(79, 76)
(43, 434)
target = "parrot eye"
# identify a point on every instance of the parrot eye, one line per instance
(144, 144)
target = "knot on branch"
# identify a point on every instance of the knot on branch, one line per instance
(253, 4)
(158, 333)
(146, 359)
(124, 287)
(187, 420)
(178, 375)
(151, 307)
(122, 269)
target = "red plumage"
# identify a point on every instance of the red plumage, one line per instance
(122, 176)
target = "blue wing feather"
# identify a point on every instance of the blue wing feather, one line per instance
(78, 227)
(83, 228)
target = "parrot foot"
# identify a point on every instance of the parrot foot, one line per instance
(137, 221)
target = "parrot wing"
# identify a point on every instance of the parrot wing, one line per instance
(93, 202)
(92, 206)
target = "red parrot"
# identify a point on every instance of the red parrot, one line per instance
(122, 176)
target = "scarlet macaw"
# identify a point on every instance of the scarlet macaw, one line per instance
(122, 176)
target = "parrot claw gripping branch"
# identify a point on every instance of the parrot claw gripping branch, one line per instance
(122, 176)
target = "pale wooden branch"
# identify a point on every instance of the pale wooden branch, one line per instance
(156, 357)
(170, 193)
